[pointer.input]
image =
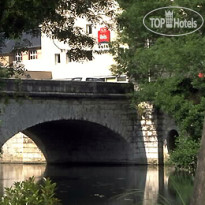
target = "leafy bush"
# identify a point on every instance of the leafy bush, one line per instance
(29, 192)
(185, 154)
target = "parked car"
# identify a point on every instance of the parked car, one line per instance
(77, 79)
(95, 79)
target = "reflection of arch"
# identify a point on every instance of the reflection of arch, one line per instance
(171, 140)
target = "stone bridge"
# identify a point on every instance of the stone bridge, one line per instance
(83, 122)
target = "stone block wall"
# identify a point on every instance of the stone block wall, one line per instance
(21, 149)
(154, 127)
(148, 132)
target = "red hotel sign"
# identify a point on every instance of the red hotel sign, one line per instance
(103, 35)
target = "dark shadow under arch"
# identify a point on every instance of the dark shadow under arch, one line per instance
(78, 141)
(171, 140)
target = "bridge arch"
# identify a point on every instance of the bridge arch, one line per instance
(171, 140)
(78, 141)
(111, 119)
(89, 104)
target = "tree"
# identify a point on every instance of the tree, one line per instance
(165, 68)
(56, 18)
(198, 197)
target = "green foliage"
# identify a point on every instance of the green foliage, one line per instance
(165, 69)
(31, 193)
(185, 155)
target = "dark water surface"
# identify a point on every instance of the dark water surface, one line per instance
(111, 185)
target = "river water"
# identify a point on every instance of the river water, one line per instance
(111, 185)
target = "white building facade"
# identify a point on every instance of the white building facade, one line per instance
(56, 59)
(46, 54)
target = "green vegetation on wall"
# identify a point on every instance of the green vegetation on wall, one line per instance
(165, 70)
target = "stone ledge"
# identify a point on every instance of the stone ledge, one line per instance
(65, 95)
(57, 86)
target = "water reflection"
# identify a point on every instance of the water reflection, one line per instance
(136, 185)
(98, 185)
(10, 173)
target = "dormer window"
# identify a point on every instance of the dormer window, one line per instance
(33, 54)
(18, 57)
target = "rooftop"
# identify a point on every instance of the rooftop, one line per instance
(27, 40)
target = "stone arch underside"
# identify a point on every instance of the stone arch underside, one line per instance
(77, 141)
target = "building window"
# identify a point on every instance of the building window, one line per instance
(33, 55)
(89, 29)
(18, 57)
(90, 55)
(57, 58)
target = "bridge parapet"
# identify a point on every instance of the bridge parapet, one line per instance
(64, 88)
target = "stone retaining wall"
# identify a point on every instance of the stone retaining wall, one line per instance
(21, 149)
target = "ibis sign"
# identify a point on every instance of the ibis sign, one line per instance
(103, 35)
